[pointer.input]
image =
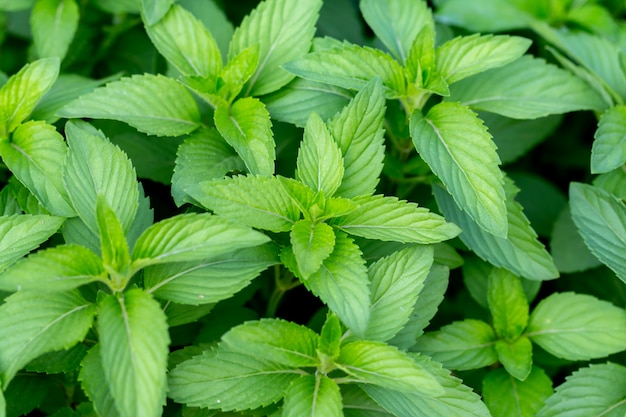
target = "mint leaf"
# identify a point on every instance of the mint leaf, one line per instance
(313, 395)
(484, 15)
(379, 364)
(507, 396)
(577, 326)
(284, 31)
(601, 221)
(152, 104)
(133, 349)
(113, 245)
(60, 268)
(35, 155)
(467, 344)
(609, 147)
(465, 56)
(526, 89)
(507, 304)
(191, 237)
(395, 284)
(342, 284)
(603, 387)
(91, 379)
(614, 182)
(255, 201)
(312, 243)
(154, 10)
(396, 23)
(390, 219)
(211, 280)
(521, 252)
(237, 72)
(567, 246)
(457, 147)
(356, 403)
(246, 126)
(516, 356)
(330, 338)
(13, 5)
(358, 129)
(53, 24)
(186, 43)
(54, 322)
(320, 162)
(94, 166)
(22, 92)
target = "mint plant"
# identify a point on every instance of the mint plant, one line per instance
(416, 211)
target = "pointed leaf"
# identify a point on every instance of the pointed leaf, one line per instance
(22, 92)
(577, 326)
(603, 389)
(312, 243)
(283, 30)
(91, 377)
(53, 24)
(314, 396)
(330, 337)
(134, 347)
(601, 221)
(320, 162)
(60, 268)
(113, 245)
(516, 357)
(507, 304)
(186, 43)
(152, 104)
(526, 89)
(192, 237)
(457, 147)
(609, 147)
(467, 344)
(358, 130)
(54, 322)
(154, 10)
(507, 396)
(246, 126)
(390, 219)
(521, 252)
(35, 156)
(396, 282)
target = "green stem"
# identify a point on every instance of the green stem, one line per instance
(283, 283)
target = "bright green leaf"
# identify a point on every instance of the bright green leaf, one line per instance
(356, 403)
(312, 243)
(113, 245)
(614, 182)
(457, 147)
(155, 10)
(516, 357)
(314, 396)
(507, 304)
(91, 377)
(507, 396)
(330, 337)
(53, 24)
(152, 104)
(237, 72)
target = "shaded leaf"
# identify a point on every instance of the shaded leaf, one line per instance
(609, 147)
(507, 396)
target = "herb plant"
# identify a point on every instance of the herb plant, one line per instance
(202, 218)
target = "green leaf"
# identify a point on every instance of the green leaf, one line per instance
(255, 201)
(484, 15)
(609, 148)
(22, 92)
(379, 364)
(342, 284)
(53, 24)
(457, 401)
(35, 155)
(516, 356)
(95, 167)
(396, 23)
(614, 182)
(601, 221)
(209, 281)
(465, 56)
(152, 104)
(275, 340)
(60, 268)
(56, 321)
(351, 67)
(577, 326)
(284, 31)
(155, 10)
(567, 246)
(113, 245)
(237, 72)
(457, 147)
(330, 338)
(320, 162)
(507, 396)
(186, 43)
(390, 219)
(312, 243)
(604, 390)
(60, 361)
(358, 130)
(229, 381)
(192, 237)
(91, 379)
(214, 19)
(13, 5)
(19, 234)
(314, 396)
(507, 304)
(527, 88)
(133, 348)
(356, 403)
(467, 344)
(246, 126)
(521, 252)
(396, 282)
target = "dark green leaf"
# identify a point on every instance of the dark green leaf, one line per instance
(507, 396)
